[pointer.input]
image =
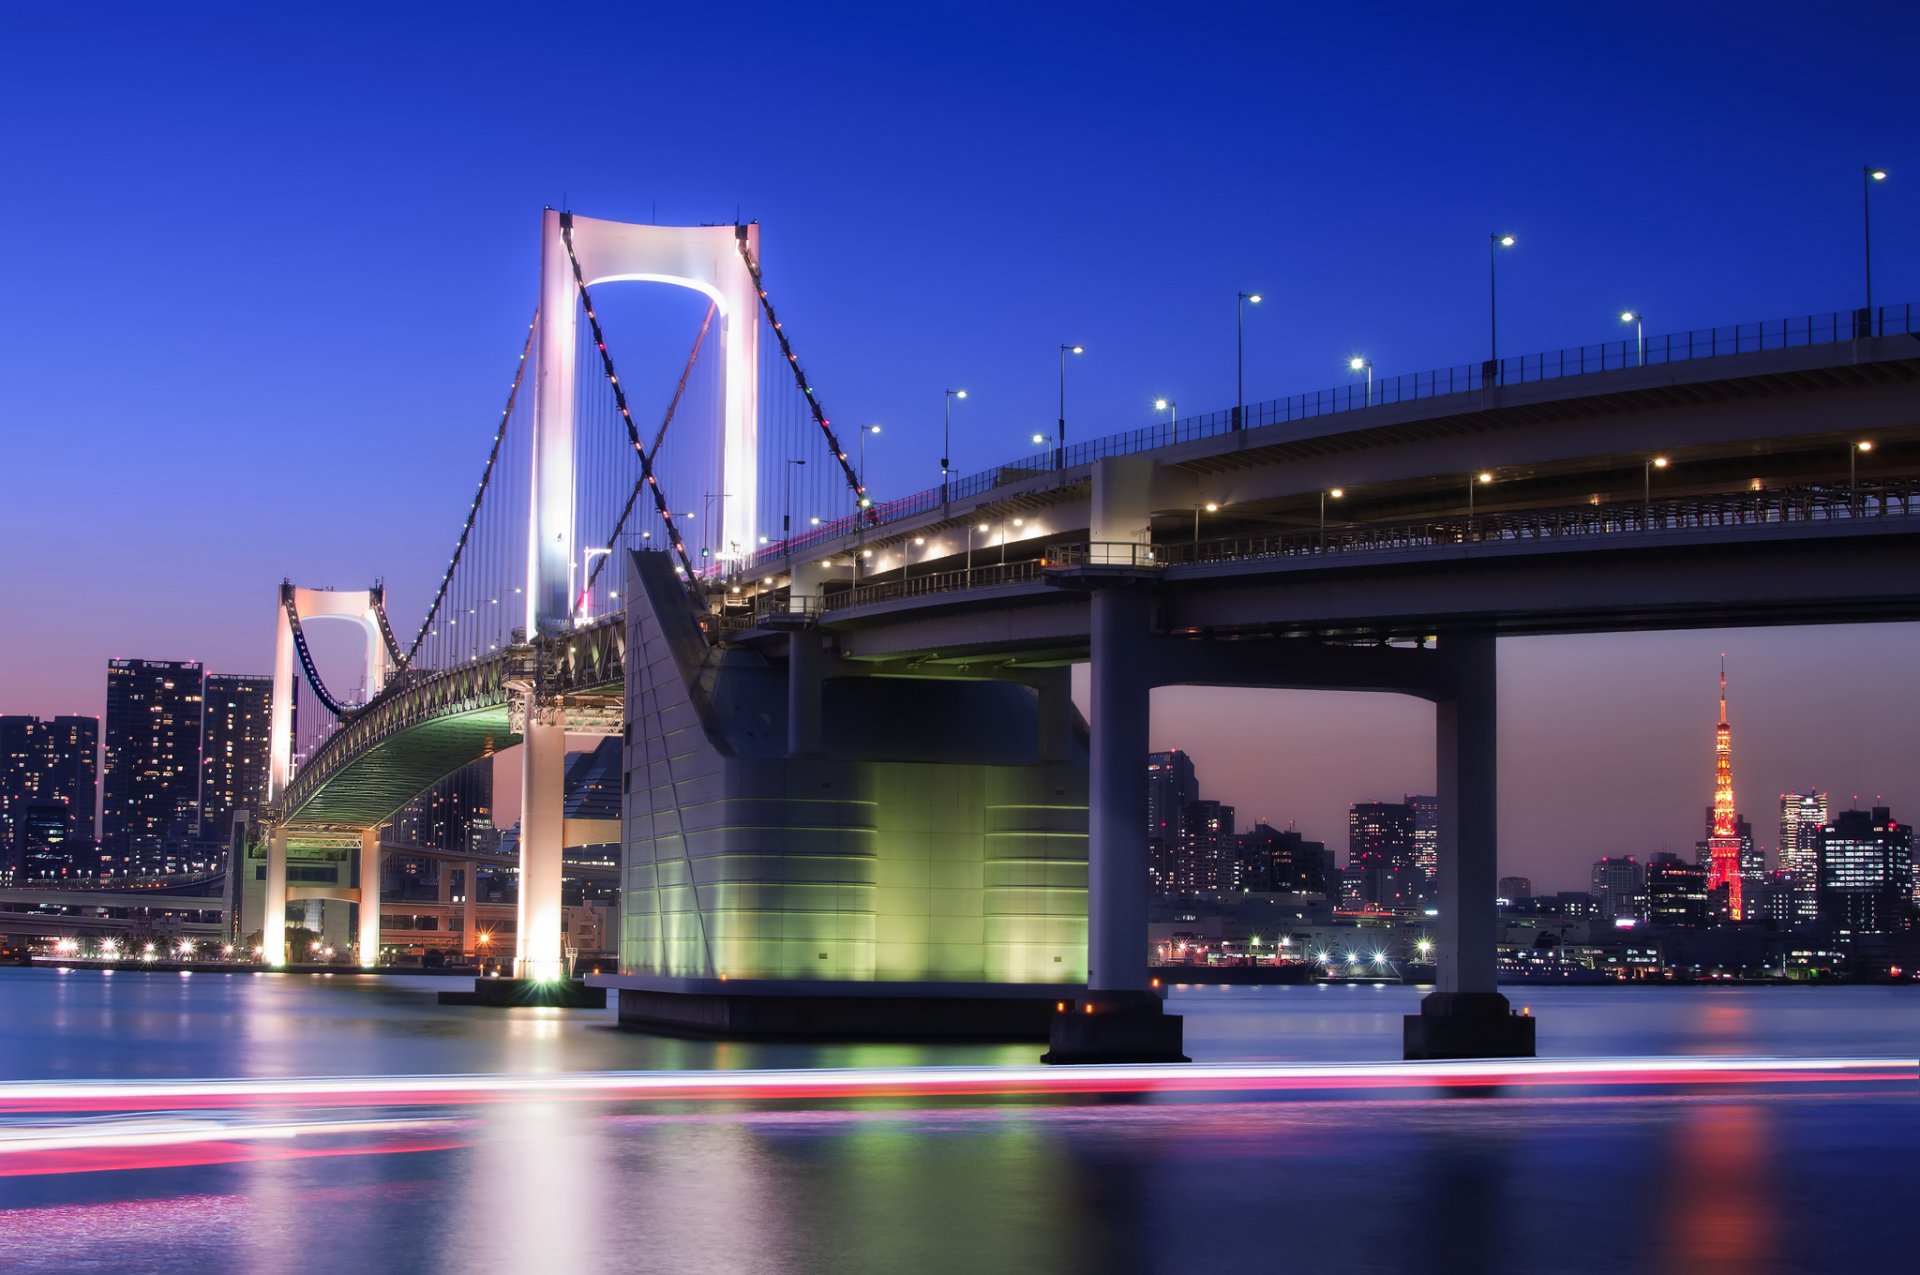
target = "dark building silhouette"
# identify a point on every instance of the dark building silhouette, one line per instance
(48, 790)
(1207, 855)
(1382, 873)
(1284, 862)
(1171, 788)
(1676, 892)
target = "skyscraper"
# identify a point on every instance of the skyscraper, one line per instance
(1171, 788)
(1208, 856)
(1619, 888)
(1676, 892)
(1426, 844)
(1723, 846)
(1802, 815)
(151, 786)
(48, 789)
(237, 718)
(1866, 872)
(1381, 871)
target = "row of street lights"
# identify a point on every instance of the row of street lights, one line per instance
(1358, 364)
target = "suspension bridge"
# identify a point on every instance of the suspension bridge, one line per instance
(856, 784)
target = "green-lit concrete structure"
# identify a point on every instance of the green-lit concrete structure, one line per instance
(814, 850)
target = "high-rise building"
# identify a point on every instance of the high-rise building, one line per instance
(1283, 862)
(444, 817)
(1426, 844)
(1207, 857)
(237, 721)
(1865, 873)
(48, 789)
(1802, 815)
(1619, 888)
(1381, 872)
(1171, 788)
(151, 784)
(1514, 889)
(1676, 892)
(1723, 844)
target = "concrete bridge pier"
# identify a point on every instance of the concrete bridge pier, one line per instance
(273, 923)
(541, 936)
(1466, 1016)
(369, 898)
(469, 911)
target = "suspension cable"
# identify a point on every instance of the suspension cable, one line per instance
(626, 413)
(626, 512)
(486, 476)
(312, 670)
(800, 377)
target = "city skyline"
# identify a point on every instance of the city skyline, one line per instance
(187, 369)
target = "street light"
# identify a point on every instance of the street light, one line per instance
(946, 442)
(1646, 477)
(1212, 507)
(1240, 357)
(865, 430)
(1060, 450)
(1358, 364)
(1495, 242)
(1335, 493)
(1639, 322)
(1868, 176)
(1172, 410)
(1479, 479)
(1853, 457)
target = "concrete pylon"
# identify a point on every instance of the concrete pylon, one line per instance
(468, 912)
(369, 898)
(355, 605)
(1466, 1016)
(540, 939)
(273, 922)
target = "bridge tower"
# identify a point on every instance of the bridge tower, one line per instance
(577, 253)
(365, 607)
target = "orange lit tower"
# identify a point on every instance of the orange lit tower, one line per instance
(1723, 847)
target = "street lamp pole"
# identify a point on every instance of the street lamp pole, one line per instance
(1336, 493)
(1240, 358)
(946, 442)
(1868, 176)
(1359, 364)
(1172, 409)
(786, 518)
(1060, 444)
(1639, 321)
(1646, 481)
(1495, 242)
(1484, 476)
(1853, 471)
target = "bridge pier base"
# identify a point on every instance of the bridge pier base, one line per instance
(369, 898)
(1466, 1016)
(540, 938)
(273, 918)
(1121, 1017)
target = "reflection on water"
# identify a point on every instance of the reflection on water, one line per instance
(1698, 1181)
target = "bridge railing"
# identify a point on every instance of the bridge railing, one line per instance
(1357, 395)
(1801, 505)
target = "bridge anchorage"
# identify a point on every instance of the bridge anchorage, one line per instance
(858, 798)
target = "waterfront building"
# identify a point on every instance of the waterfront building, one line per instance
(1513, 889)
(1382, 874)
(1171, 788)
(1277, 862)
(151, 781)
(1619, 888)
(48, 790)
(236, 719)
(1207, 856)
(1865, 883)
(1676, 892)
(1426, 844)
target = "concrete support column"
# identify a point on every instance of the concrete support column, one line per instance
(1056, 715)
(273, 922)
(541, 938)
(369, 898)
(469, 916)
(1466, 1016)
(806, 661)
(804, 581)
(1117, 793)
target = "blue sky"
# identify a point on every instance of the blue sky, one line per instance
(268, 265)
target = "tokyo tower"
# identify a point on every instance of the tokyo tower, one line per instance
(1723, 847)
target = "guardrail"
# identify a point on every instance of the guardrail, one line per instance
(1691, 346)
(1025, 571)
